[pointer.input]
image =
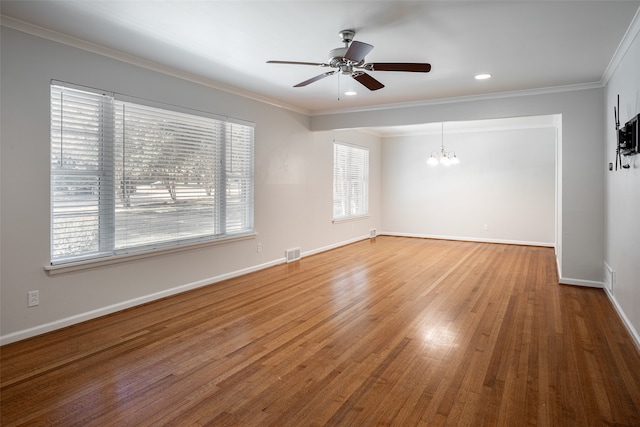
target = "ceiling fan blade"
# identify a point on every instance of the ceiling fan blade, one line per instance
(368, 81)
(317, 64)
(415, 67)
(315, 79)
(357, 51)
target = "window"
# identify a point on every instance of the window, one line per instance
(350, 181)
(129, 178)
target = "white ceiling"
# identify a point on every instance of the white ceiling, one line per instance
(526, 45)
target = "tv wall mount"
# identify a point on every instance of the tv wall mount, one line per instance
(627, 138)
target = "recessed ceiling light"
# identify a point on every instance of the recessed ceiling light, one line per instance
(483, 76)
(351, 93)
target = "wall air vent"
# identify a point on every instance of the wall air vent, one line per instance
(609, 277)
(292, 254)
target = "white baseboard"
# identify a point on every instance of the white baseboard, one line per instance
(68, 321)
(468, 239)
(625, 320)
(334, 246)
(102, 311)
(580, 282)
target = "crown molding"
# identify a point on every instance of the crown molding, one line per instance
(54, 36)
(545, 121)
(466, 98)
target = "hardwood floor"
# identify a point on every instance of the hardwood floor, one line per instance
(388, 331)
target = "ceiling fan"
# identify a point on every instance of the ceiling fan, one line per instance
(349, 60)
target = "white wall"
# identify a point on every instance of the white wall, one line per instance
(293, 177)
(622, 237)
(506, 180)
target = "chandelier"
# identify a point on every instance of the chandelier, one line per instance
(443, 157)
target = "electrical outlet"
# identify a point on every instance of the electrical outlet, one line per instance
(259, 247)
(485, 227)
(34, 298)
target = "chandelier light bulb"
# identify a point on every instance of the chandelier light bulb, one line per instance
(432, 160)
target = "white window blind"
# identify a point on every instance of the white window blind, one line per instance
(350, 181)
(127, 177)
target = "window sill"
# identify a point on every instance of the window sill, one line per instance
(116, 259)
(350, 218)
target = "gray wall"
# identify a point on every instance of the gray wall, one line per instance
(580, 245)
(622, 243)
(293, 177)
(293, 184)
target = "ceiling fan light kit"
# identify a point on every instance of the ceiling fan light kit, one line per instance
(350, 60)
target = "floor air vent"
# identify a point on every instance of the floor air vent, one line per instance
(292, 254)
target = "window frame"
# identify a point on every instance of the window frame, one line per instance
(107, 208)
(349, 182)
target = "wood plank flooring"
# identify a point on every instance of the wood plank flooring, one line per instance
(388, 331)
